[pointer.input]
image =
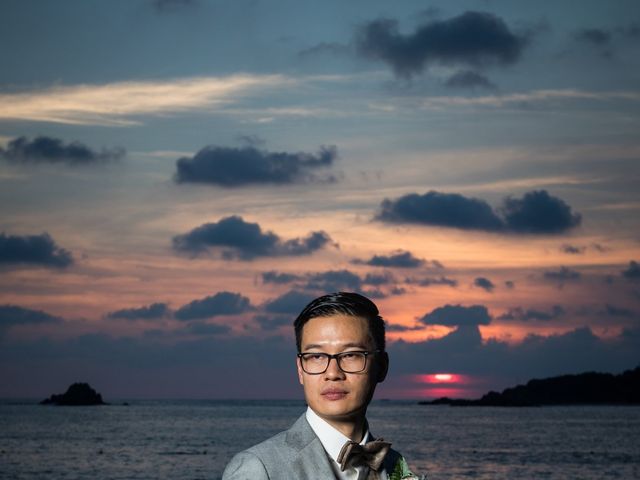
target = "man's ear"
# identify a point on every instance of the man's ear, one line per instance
(300, 372)
(383, 366)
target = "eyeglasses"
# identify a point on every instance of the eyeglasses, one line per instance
(315, 363)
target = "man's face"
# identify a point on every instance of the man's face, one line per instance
(334, 395)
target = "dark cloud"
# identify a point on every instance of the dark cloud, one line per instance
(562, 275)
(290, 303)
(521, 314)
(38, 250)
(377, 279)
(594, 36)
(11, 315)
(458, 315)
(399, 259)
(200, 328)
(279, 277)
(469, 79)
(272, 322)
(632, 272)
(538, 356)
(472, 39)
(614, 311)
(572, 249)
(245, 241)
(484, 283)
(510, 284)
(536, 212)
(236, 167)
(222, 303)
(334, 281)
(443, 209)
(43, 149)
(430, 281)
(149, 312)
(396, 327)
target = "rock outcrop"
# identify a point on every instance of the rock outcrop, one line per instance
(76, 394)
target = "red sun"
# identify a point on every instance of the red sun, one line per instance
(441, 378)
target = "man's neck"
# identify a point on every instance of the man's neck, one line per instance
(353, 428)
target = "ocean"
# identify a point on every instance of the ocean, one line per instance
(190, 440)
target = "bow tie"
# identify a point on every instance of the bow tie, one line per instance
(370, 454)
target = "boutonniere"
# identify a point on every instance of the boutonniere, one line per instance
(401, 472)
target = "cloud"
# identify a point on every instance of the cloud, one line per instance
(510, 284)
(536, 212)
(443, 209)
(236, 167)
(469, 79)
(572, 249)
(377, 279)
(334, 281)
(43, 149)
(521, 314)
(458, 315)
(614, 311)
(291, 303)
(484, 283)
(272, 322)
(399, 259)
(632, 272)
(396, 327)
(430, 281)
(39, 250)
(594, 36)
(200, 328)
(245, 241)
(11, 315)
(562, 275)
(464, 351)
(114, 104)
(149, 312)
(222, 303)
(526, 99)
(279, 277)
(472, 39)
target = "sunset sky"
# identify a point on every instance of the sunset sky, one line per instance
(178, 178)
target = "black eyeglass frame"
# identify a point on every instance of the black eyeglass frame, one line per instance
(337, 356)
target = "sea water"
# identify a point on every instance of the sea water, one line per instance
(194, 439)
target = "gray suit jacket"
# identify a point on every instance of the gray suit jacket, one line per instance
(295, 454)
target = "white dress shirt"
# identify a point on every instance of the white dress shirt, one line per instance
(332, 440)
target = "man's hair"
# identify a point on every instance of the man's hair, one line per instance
(345, 303)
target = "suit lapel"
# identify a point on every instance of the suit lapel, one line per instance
(311, 460)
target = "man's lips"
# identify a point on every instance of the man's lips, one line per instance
(334, 394)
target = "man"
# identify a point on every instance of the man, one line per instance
(341, 358)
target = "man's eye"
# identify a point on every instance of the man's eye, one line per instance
(349, 355)
(315, 357)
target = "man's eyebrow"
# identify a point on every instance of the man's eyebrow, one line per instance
(345, 345)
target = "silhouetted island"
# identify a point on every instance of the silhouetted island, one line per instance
(590, 388)
(76, 394)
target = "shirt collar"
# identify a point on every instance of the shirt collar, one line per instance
(332, 440)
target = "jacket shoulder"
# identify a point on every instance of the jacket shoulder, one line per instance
(245, 466)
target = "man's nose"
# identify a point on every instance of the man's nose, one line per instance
(333, 370)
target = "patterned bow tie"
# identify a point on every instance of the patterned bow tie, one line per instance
(370, 454)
